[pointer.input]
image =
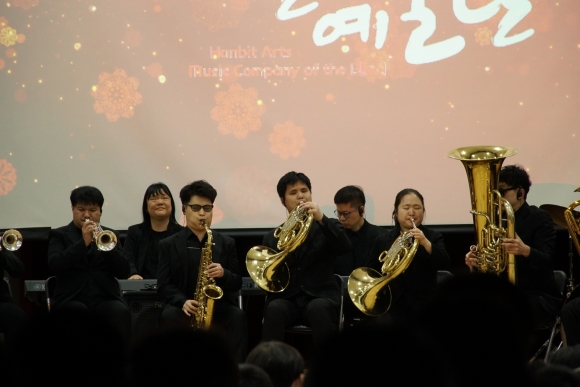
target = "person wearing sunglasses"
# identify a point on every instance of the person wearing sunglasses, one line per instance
(179, 261)
(142, 241)
(534, 247)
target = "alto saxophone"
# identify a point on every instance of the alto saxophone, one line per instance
(206, 291)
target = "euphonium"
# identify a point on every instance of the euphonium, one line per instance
(206, 291)
(573, 223)
(11, 240)
(483, 164)
(266, 266)
(104, 239)
(369, 290)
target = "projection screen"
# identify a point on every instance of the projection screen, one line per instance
(119, 94)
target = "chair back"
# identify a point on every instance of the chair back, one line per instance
(49, 288)
(443, 275)
(7, 284)
(560, 277)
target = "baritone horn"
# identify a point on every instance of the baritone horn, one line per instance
(104, 239)
(483, 164)
(373, 292)
(11, 240)
(573, 222)
(266, 266)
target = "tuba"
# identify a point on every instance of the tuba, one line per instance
(11, 240)
(206, 291)
(266, 266)
(369, 290)
(104, 239)
(483, 164)
(573, 223)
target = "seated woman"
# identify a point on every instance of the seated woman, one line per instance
(412, 289)
(142, 243)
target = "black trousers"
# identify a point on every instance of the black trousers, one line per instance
(319, 313)
(114, 312)
(570, 316)
(228, 320)
(12, 321)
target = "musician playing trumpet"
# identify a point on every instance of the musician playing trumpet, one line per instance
(312, 296)
(179, 262)
(86, 275)
(412, 290)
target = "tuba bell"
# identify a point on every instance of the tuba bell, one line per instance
(372, 292)
(266, 266)
(573, 223)
(11, 240)
(483, 164)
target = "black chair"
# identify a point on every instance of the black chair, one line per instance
(560, 278)
(443, 275)
(49, 289)
(343, 288)
(7, 285)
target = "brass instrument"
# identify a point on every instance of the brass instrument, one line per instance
(104, 239)
(206, 291)
(11, 240)
(369, 290)
(483, 164)
(266, 266)
(573, 223)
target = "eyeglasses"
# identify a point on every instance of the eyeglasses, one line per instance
(197, 207)
(346, 214)
(502, 191)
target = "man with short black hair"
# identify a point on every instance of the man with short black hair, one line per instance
(533, 246)
(350, 209)
(179, 262)
(86, 277)
(312, 297)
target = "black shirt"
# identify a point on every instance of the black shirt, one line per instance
(194, 246)
(362, 245)
(152, 256)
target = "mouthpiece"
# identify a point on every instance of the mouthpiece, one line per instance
(413, 221)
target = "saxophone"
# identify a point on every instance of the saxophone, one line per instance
(206, 291)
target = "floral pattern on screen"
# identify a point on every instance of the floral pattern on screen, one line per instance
(217, 15)
(116, 95)
(287, 140)
(7, 177)
(238, 111)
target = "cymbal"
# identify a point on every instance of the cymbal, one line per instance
(557, 214)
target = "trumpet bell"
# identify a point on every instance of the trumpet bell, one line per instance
(11, 240)
(266, 268)
(369, 290)
(106, 240)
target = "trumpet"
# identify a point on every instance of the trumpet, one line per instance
(11, 240)
(104, 239)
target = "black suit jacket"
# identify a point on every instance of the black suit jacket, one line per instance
(311, 265)
(174, 264)
(362, 249)
(15, 268)
(136, 244)
(417, 284)
(535, 276)
(74, 263)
